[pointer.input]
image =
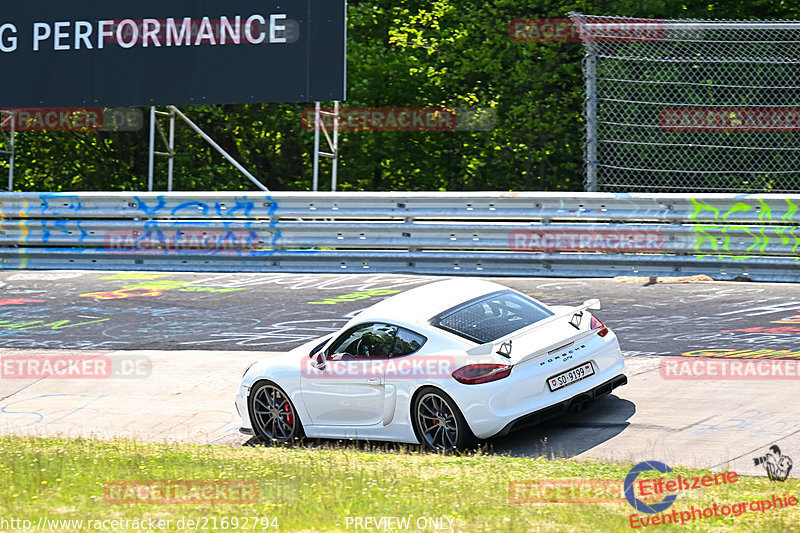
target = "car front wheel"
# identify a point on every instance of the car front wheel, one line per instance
(439, 424)
(272, 414)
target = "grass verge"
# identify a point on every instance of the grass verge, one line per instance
(317, 489)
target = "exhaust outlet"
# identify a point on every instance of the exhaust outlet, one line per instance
(579, 403)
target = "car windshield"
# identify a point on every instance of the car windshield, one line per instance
(491, 317)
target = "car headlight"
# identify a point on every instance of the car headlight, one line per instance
(248, 368)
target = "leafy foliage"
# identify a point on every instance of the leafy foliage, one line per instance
(401, 53)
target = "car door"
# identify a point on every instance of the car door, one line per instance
(348, 388)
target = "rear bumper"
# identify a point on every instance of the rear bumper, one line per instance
(563, 406)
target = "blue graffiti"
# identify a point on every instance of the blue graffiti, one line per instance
(147, 210)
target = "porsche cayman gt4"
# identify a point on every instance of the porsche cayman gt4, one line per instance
(442, 365)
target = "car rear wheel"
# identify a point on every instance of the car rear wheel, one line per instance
(272, 414)
(439, 424)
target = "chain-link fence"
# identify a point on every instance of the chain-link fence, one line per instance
(691, 105)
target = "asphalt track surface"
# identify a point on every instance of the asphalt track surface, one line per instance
(191, 335)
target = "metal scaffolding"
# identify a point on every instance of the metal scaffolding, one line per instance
(172, 114)
(333, 144)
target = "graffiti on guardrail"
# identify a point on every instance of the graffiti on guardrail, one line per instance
(743, 238)
(747, 239)
(762, 210)
(727, 236)
(69, 205)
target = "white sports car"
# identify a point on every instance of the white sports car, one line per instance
(442, 365)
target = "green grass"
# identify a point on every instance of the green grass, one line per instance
(316, 488)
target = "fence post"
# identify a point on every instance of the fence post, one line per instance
(317, 118)
(151, 156)
(590, 69)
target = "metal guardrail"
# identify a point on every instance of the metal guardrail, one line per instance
(527, 234)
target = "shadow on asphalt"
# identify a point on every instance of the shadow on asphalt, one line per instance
(568, 435)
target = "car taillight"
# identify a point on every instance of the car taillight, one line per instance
(474, 374)
(599, 327)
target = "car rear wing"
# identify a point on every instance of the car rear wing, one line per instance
(503, 345)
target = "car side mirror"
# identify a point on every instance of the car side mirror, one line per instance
(593, 304)
(319, 361)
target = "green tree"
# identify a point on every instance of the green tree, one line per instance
(401, 53)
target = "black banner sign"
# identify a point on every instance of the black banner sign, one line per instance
(56, 53)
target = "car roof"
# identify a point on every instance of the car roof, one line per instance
(420, 304)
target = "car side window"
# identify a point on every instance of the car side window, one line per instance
(365, 341)
(407, 342)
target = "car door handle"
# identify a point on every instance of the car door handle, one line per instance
(374, 381)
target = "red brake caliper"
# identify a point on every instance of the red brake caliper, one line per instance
(289, 414)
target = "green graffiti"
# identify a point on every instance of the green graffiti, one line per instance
(792, 210)
(765, 211)
(699, 207)
(737, 208)
(60, 324)
(718, 238)
(766, 239)
(360, 295)
(702, 235)
(208, 289)
(786, 240)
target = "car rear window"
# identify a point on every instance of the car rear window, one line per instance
(488, 318)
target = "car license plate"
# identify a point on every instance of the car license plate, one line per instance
(573, 375)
